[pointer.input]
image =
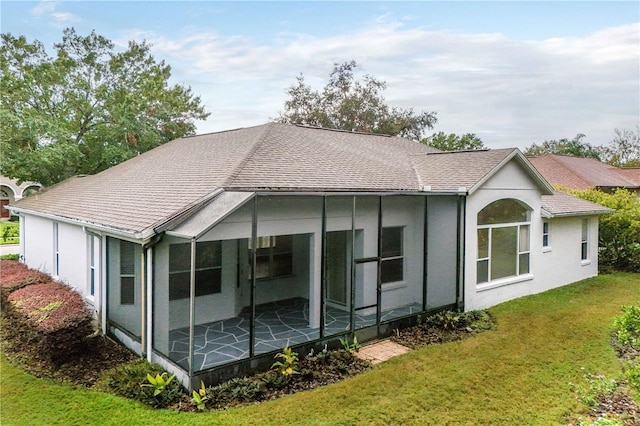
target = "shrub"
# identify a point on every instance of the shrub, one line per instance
(15, 275)
(450, 320)
(235, 391)
(131, 380)
(619, 235)
(12, 256)
(632, 374)
(52, 318)
(627, 326)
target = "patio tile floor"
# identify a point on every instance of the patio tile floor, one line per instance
(277, 324)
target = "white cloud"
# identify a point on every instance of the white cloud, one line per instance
(509, 92)
(47, 10)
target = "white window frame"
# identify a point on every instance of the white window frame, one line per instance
(128, 276)
(546, 235)
(519, 250)
(56, 250)
(584, 241)
(400, 257)
(92, 266)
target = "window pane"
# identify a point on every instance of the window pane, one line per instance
(179, 285)
(283, 244)
(127, 291)
(208, 281)
(584, 251)
(585, 228)
(282, 265)
(208, 254)
(524, 238)
(179, 257)
(127, 258)
(503, 211)
(391, 270)
(483, 243)
(262, 266)
(391, 242)
(483, 271)
(503, 252)
(524, 263)
(545, 240)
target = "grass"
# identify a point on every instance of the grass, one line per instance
(516, 374)
(9, 233)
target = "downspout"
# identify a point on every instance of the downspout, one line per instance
(460, 252)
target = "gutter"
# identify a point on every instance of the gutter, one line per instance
(120, 233)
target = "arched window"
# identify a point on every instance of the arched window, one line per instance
(503, 240)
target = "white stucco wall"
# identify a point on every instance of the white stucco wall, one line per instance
(548, 269)
(37, 242)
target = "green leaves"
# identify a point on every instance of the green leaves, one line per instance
(453, 142)
(159, 383)
(86, 108)
(348, 104)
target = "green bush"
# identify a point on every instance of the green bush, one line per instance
(238, 390)
(131, 381)
(450, 320)
(632, 374)
(626, 327)
(619, 236)
(12, 256)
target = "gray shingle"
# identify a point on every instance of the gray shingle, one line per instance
(562, 204)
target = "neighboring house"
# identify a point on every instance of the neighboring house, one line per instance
(585, 173)
(210, 253)
(11, 191)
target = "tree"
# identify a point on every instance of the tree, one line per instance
(624, 149)
(453, 142)
(86, 109)
(574, 147)
(348, 104)
(619, 232)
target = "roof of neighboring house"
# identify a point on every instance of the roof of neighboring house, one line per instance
(562, 204)
(581, 173)
(165, 185)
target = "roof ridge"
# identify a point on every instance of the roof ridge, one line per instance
(241, 165)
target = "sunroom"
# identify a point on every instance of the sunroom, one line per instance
(252, 273)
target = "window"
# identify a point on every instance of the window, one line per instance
(56, 251)
(92, 265)
(585, 239)
(208, 269)
(274, 256)
(503, 240)
(545, 234)
(392, 260)
(127, 273)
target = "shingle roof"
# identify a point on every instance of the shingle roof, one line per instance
(580, 173)
(166, 184)
(562, 204)
(449, 171)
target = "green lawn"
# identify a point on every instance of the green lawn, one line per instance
(516, 374)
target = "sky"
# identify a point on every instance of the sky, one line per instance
(512, 72)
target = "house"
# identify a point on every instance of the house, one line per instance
(11, 191)
(211, 253)
(585, 173)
